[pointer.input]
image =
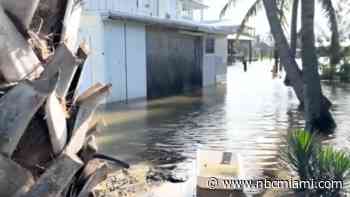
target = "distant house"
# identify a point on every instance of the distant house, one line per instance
(263, 50)
(150, 48)
(239, 47)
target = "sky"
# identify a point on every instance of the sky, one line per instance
(260, 21)
(236, 14)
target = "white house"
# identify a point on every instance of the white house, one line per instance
(150, 48)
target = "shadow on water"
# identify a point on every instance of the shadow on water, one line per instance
(249, 115)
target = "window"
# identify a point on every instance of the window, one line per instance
(210, 45)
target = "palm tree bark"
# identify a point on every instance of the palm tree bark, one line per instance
(294, 28)
(291, 66)
(311, 77)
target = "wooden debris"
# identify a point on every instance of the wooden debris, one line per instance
(89, 170)
(48, 18)
(87, 108)
(82, 55)
(21, 10)
(57, 177)
(71, 23)
(90, 149)
(65, 62)
(43, 127)
(115, 161)
(14, 118)
(14, 180)
(88, 93)
(34, 151)
(40, 46)
(56, 122)
(18, 61)
(99, 175)
(94, 129)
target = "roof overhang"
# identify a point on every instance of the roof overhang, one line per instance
(194, 4)
(170, 23)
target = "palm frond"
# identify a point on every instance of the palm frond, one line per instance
(229, 4)
(333, 165)
(301, 149)
(253, 10)
(283, 7)
(306, 156)
(330, 13)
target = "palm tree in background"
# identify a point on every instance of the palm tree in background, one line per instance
(316, 105)
(285, 6)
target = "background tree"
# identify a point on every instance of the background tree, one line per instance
(324, 120)
(294, 28)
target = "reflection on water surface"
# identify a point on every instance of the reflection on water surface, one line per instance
(249, 115)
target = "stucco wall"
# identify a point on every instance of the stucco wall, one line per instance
(91, 32)
(215, 64)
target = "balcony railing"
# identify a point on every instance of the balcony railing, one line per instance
(143, 7)
(183, 9)
(193, 4)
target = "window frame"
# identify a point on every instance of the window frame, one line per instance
(210, 45)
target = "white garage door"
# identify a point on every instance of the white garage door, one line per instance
(126, 60)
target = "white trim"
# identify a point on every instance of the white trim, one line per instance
(180, 24)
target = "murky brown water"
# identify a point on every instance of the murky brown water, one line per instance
(249, 115)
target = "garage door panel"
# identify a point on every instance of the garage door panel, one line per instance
(115, 60)
(173, 63)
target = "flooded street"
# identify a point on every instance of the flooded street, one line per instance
(249, 115)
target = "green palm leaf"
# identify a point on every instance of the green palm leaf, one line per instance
(229, 4)
(330, 13)
(300, 151)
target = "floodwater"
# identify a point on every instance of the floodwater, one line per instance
(249, 115)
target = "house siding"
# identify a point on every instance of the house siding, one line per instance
(91, 31)
(215, 64)
(145, 60)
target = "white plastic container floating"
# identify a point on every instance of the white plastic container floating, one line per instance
(216, 167)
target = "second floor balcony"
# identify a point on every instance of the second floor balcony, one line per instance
(171, 9)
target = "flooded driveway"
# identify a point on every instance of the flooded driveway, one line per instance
(249, 115)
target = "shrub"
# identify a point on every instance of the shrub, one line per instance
(328, 72)
(344, 72)
(334, 165)
(301, 149)
(312, 161)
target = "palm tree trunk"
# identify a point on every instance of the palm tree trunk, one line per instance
(291, 66)
(294, 28)
(311, 77)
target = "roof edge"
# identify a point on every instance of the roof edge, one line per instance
(172, 23)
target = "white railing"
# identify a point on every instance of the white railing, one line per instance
(144, 7)
(173, 9)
